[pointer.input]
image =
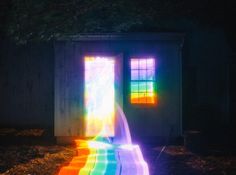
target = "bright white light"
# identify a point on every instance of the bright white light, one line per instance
(128, 147)
(99, 145)
(99, 96)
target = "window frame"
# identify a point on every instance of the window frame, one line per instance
(138, 81)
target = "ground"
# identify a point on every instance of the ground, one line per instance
(33, 160)
(38, 158)
(177, 160)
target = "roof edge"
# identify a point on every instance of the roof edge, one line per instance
(123, 36)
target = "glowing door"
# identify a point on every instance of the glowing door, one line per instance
(99, 96)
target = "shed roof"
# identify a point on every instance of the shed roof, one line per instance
(124, 36)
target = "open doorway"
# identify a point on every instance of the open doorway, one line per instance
(99, 96)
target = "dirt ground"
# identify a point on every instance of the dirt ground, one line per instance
(43, 159)
(31, 152)
(33, 160)
(176, 160)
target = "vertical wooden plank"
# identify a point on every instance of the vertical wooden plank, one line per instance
(79, 84)
(59, 102)
(68, 89)
(75, 84)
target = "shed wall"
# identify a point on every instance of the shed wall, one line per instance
(162, 120)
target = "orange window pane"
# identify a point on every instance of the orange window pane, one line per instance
(151, 98)
(142, 97)
(134, 98)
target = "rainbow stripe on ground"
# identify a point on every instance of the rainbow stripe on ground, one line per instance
(100, 158)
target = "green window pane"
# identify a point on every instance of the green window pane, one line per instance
(142, 86)
(134, 87)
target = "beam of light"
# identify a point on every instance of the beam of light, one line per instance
(112, 159)
(99, 96)
(142, 84)
(99, 156)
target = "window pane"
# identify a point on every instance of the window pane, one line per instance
(134, 74)
(134, 64)
(134, 87)
(142, 64)
(150, 75)
(150, 63)
(142, 75)
(142, 97)
(142, 86)
(134, 98)
(151, 98)
(150, 86)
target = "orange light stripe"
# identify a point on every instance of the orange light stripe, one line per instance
(144, 100)
(78, 162)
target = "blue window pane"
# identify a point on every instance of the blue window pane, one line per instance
(150, 75)
(142, 74)
(134, 75)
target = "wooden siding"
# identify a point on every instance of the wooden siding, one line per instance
(163, 120)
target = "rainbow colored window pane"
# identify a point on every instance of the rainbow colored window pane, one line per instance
(142, 84)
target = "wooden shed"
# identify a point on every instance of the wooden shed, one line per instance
(141, 73)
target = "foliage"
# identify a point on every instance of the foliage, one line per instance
(48, 19)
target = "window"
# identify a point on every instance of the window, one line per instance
(142, 84)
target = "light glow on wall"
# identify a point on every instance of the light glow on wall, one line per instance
(142, 84)
(99, 96)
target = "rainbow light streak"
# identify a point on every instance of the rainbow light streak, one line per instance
(98, 156)
(142, 84)
(95, 159)
(99, 96)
